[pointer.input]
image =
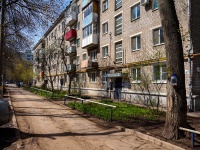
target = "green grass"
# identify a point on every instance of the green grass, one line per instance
(123, 111)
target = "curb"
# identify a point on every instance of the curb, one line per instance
(150, 138)
(142, 135)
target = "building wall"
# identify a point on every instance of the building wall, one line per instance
(144, 25)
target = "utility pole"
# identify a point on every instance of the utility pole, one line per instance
(2, 43)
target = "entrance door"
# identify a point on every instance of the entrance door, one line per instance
(118, 88)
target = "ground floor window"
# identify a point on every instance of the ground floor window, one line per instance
(159, 72)
(93, 77)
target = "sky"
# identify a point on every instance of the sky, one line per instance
(37, 36)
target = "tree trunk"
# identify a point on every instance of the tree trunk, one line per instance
(2, 43)
(69, 87)
(176, 95)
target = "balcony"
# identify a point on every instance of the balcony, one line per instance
(93, 17)
(71, 67)
(71, 50)
(88, 64)
(70, 35)
(85, 2)
(71, 18)
(90, 41)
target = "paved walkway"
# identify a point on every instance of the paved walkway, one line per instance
(46, 125)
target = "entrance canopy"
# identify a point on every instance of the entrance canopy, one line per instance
(115, 75)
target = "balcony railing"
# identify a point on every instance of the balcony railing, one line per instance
(71, 18)
(93, 17)
(89, 64)
(90, 41)
(71, 50)
(70, 35)
(71, 67)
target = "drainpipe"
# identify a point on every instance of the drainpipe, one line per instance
(189, 59)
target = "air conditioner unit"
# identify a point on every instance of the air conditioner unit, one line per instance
(144, 2)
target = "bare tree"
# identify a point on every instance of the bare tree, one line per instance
(19, 18)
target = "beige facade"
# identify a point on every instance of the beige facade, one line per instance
(118, 44)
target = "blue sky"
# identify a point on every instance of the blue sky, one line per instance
(37, 36)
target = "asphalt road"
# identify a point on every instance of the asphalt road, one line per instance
(44, 125)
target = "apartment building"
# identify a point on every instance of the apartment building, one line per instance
(115, 49)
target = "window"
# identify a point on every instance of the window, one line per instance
(93, 77)
(136, 74)
(118, 4)
(77, 60)
(155, 4)
(84, 56)
(158, 36)
(52, 35)
(118, 52)
(87, 31)
(77, 77)
(78, 9)
(135, 42)
(95, 27)
(59, 28)
(78, 42)
(87, 11)
(63, 67)
(78, 26)
(63, 26)
(93, 55)
(84, 77)
(73, 43)
(104, 79)
(118, 24)
(104, 51)
(135, 12)
(159, 72)
(105, 5)
(105, 28)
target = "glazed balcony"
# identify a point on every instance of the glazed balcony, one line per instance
(71, 67)
(85, 2)
(70, 35)
(71, 50)
(71, 18)
(93, 17)
(90, 41)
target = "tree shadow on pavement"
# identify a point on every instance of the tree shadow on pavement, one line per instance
(53, 135)
(7, 137)
(63, 115)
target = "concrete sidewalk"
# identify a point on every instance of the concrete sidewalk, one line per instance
(157, 143)
(194, 114)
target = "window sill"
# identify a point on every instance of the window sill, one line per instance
(159, 44)
(154, 9)
(105, 10)
(118, 34)
(93, 82)
(135, 50)
(118, 62)
(136, 82)
(104, 33)
(118, 8)
(160, 82)
(135, 19)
